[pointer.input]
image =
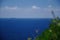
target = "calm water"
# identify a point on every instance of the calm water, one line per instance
(21, 29)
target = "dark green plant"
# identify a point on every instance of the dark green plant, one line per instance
(53, 33)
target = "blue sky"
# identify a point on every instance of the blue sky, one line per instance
(29, 8)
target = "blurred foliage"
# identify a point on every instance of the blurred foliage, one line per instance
(53, 33)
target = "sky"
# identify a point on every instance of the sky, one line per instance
(29, 8)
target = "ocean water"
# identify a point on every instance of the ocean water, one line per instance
(21, 29)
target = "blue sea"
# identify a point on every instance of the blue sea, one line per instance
(21, 28)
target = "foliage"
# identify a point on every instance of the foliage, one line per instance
(53, 33)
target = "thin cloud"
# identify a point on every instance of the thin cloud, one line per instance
(11, 8)
(49, 6)
(31, 12)
(35, 7)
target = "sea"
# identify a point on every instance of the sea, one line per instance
(22, 28)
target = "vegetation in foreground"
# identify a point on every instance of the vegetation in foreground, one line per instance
(53, 33)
